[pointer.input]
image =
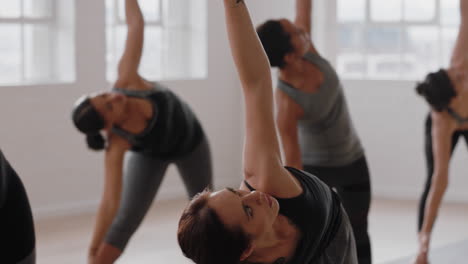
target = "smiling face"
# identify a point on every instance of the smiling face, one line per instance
(254, 212)
(111, 106)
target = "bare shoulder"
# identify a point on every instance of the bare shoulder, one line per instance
(442, 122)
(281, 185)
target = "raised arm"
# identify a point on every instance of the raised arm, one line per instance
(130, 60)
(304, 15)
(460, 52)
(262, 158)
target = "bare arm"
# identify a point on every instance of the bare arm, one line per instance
(441, 138)
(287, 119)
(130, 60)
(460, 52)
(112, 190)
(262, 157)
(304, 15)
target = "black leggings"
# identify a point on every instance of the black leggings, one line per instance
(430, 163)
(352, 183)
(17, 239)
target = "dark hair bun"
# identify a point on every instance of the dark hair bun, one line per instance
(437, 89)
(95, 141)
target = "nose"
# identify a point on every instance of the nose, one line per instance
(256, 197)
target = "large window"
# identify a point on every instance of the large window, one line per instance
(394, 39)
(175, 38)
(36, 41)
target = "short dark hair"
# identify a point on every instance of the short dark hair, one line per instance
(437, 89)
(275, 41)
(87, 120)
(205, 239)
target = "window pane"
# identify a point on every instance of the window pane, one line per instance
(420, 50)
(150, 9)
(115, 46)
(37, 8)
(351, 10)
(419, 10)
(383, 52)
(350, 61)
(10, 8)
(10, 54)
(386, 10)
(450, 12)
(37, 52)
(449, 36)
(152, 60)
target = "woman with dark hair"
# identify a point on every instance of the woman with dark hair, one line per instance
(445, 91)
(17, 237)
(314, 123)
(155, 128)
(279, 214)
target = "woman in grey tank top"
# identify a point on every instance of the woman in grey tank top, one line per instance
(447, 94)
(316, 129)
(147, 128)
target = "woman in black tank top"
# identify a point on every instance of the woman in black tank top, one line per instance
(445, 91)
(154, 127)
(278, 214)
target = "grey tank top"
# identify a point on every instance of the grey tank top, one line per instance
(327, 136)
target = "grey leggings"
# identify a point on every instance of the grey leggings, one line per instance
(141, 180)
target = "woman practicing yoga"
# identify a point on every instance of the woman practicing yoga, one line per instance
(279, 214)
(314, 123)
(155, 128)
(447, 93)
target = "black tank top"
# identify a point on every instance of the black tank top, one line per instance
(173, 130)
(317, 214)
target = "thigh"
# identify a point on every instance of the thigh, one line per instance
(196, 169)
(141, 180)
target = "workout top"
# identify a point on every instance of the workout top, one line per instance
(172, 132)
(460, 120)
(326, 133)
(317, 214)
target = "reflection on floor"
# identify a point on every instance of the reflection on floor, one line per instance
(392, 229)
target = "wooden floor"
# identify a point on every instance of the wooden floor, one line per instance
(392, 229)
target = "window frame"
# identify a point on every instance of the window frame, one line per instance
(23, 21)
(331, 45)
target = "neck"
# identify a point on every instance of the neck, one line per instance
(271, 246)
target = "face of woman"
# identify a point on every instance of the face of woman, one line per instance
(110, 105)
(255, 212)
(300, 39)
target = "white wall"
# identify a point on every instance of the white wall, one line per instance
(390, 117)
(60, 174)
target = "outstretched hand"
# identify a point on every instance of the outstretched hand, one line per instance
(421, 258)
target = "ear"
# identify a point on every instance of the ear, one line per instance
(247, 252)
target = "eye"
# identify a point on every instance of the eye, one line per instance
(248, 211)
